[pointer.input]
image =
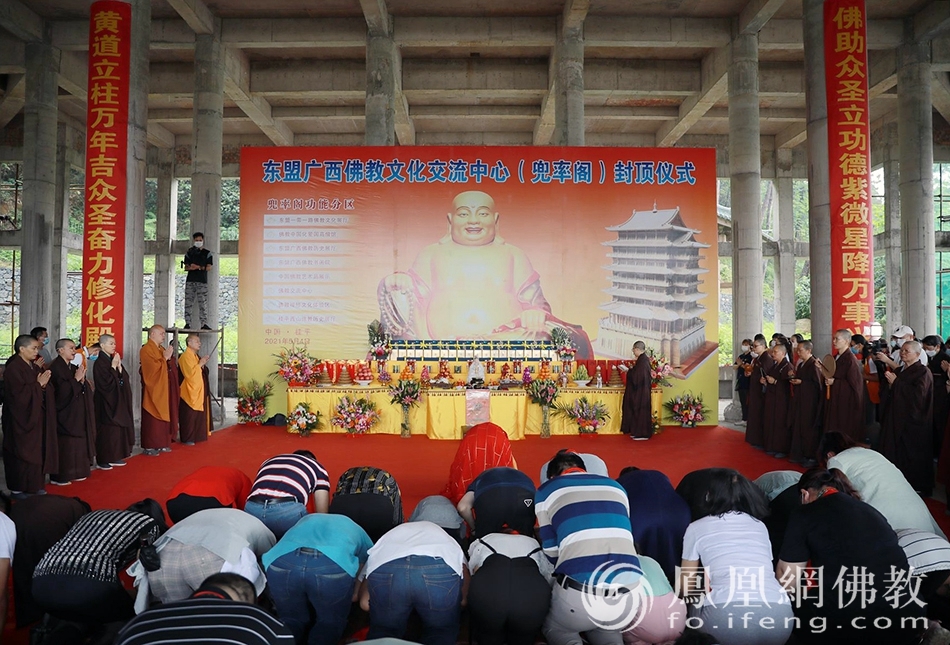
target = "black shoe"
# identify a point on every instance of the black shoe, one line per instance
(104, 466)
(188, 443)
(206, 328)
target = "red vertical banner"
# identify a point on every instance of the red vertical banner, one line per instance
(106, 149)
(849, 169)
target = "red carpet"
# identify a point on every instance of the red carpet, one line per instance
(420, 465)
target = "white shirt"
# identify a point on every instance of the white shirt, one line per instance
(883, 486)
(511, 545)
(415, 538)
(737, 556)
(7, 537)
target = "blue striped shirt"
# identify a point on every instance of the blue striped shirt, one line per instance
(584, 525)
(291, 475)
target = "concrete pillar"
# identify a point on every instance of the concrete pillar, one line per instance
(569, 102)
(166, 230)
(893, 305)
(380, 90)
(57, 319)
(39, 184)
(135, 195)
(785, 235)
(675, 352)
(664, 347)
(206, 169)
(819, 197)
(915, 135)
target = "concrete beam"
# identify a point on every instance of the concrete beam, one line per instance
(377, 18)
(614, 32)
(572, 18)
(882, 72)
(404, 126)
(756, 14)
(791, 136)
(166, 34)
(715, 83)
(932, 20)
(187, 115)
(178, 247)
(159, 136)
(237, 81)
(196, 13)
(74, 73)
(544, 128)
(786, 35)
(14, 96)
(940, 92)
(294, 33)
(20, 21)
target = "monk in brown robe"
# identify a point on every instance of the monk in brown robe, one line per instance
(778, 393)
(75, 415)
(28, 420)
(907, 422)
(636, 417)
(809, 396)
(115, 427)
(194, 410)
(845, 410)
(157, 373)
(755, 423)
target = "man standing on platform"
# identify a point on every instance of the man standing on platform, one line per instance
(159, 392)
(194, 411)
(845, 411)
(115, 428)
(75, 415)
(29, 420)
(636, 419)
(197, 263)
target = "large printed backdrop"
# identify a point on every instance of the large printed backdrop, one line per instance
(323, 228)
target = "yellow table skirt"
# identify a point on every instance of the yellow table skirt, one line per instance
(441, 413)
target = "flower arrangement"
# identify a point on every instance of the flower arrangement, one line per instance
(687, 409)
(660, 371)
(303, 420)
(588, 415)
(543, 391)
(356, 416)
(406, 393)
(563, 343)
(296, 367)
(252, 401)
(380, 344)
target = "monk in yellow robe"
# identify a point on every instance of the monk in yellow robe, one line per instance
(194, 410)
(158, 372)
(471, 284)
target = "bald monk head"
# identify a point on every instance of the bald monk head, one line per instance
(156, 334)
(910, 352)
(842, 340)
(473, 220)
(638, 348)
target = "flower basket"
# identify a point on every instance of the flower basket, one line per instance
(543, 392)
(380, 344)
(296, 367)
(356, 416)
(303, 420)
(405, 393)
(589, 415)
(687, 409)
(252, 401)
(660, 371)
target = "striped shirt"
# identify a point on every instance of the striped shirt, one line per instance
(98, 545)
(584, 525)
(205, 620)
(926, 552)
(294, 476)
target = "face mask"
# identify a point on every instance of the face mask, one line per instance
(94, 357)
(931, 353)
(754, 354)
(199, 244)
(46, 341)
(895, 343)
(854, 350)
(745, 348)
(77, 360)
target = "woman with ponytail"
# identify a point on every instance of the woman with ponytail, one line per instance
(852, 555)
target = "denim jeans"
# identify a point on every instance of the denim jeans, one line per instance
(427, 585)
(276, 514)
(312, 594)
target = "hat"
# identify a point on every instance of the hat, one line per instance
(439, 510)
(902, 331)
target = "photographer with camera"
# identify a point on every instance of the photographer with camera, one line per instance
(197, 263)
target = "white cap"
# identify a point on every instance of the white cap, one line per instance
(902, 331)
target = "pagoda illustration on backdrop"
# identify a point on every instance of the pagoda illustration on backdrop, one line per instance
(655, 290)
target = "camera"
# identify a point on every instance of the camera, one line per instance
(875, 346)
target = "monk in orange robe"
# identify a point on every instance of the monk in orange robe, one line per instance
(194, 410)
(157, 389)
